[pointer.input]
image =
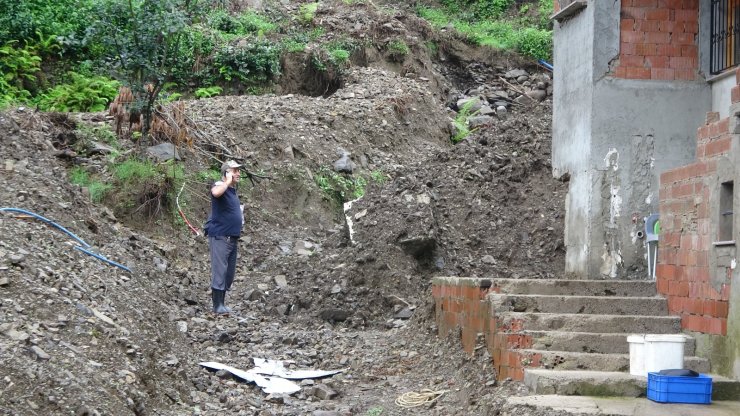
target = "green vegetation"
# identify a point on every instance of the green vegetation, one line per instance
(72, 55)
(461, 122)
(487, 23)
(207, 92)
(307, 12)
(80, 94)
(339, 188)
(398, 49)
(378, 176)
(134, 170)
(95, 188)
(375, 411)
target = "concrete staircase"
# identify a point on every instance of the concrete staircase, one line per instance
(569, 337)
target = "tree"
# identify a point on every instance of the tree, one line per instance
(139, 40)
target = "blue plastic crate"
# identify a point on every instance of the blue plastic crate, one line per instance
(672, 389)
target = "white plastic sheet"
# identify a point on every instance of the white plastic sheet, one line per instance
(270, 375)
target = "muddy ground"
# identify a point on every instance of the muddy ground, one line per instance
(81, 336)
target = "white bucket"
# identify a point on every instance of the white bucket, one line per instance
(663, 352)
(637, 354)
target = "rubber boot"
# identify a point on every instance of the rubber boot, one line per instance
(223, 302)
(218, 302)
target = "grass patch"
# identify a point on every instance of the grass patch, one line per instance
(527, 38)
(134, 171)
(95, 188)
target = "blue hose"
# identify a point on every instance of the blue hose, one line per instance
(545, 64)
(78, 239)
(48, 221)
(99, 257)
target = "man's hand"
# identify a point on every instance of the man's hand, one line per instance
(229, 178)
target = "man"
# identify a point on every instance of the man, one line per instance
(223, 229)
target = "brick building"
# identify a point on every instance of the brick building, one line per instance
(646, 121)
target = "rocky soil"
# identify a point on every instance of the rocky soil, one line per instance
(81, 336)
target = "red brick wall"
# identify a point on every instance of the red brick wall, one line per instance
(461, 307)
(658, 40)
(696, 291)
(460, 304)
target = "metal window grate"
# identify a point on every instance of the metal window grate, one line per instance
(724, 50)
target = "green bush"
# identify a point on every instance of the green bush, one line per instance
(81, 94)
(536, 43)
(257, 62)
(307, 12)
(339, 188)
(194, 56)
(207, 92)
(398, 48)
(19, 68)
(254, 23)
(30, 21)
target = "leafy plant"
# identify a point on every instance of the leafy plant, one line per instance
(398, 48)
(307, 12)
(339, 188)
(19, 66)
(254, 23)
(207, 92)
(378, 176)
(41, 24)
(375, 411)
(534, 42)
(81, 94)
(257, 62)
(338, 56)
(461, 122)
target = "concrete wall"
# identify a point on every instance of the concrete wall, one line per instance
(572, 105)
(721, 86)
(640, 129)
(614, 136)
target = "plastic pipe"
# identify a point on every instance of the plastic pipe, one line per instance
(78, 239)
(99, 257)
(48, 221)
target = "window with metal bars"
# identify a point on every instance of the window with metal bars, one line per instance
(724, 50)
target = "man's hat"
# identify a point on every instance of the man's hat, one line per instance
(229, 164)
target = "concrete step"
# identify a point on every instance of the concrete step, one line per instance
(612, 305)
(638, 288)
(603, 383)
(601, 343)
(632, 324)
(570, 360)
(612, 406)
